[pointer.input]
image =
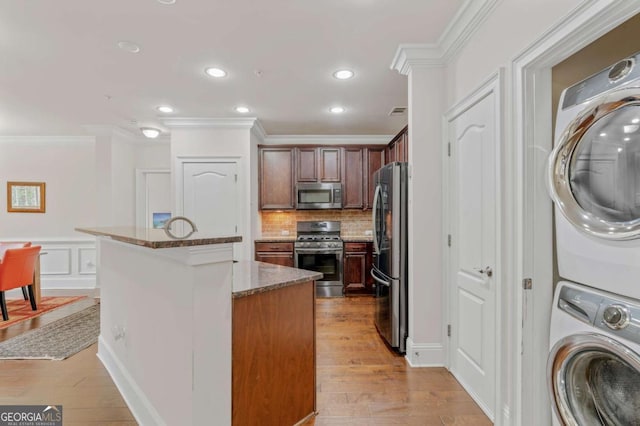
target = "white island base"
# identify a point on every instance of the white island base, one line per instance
(165, 330)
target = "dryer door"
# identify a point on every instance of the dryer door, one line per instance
(594, 380)
(594, 171)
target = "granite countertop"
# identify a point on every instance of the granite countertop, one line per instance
(156, 238)
(251, 277)
(287, 239)
(358, 239)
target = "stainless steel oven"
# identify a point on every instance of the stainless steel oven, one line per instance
(318, 247)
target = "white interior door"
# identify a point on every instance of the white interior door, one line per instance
(472, 260)
(210, 197)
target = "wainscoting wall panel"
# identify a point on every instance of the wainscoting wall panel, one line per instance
(68, 265)
(86, 261)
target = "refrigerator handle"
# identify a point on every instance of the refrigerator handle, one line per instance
(374, 212)
(380, 280)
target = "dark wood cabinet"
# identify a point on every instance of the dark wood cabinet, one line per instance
(358, 258)
(276, 171)
(375, 158)
(398, 148)
(306, 165)
(330, 164)
(318, 164)
(276, 253)
(353, 178)
(282, 167)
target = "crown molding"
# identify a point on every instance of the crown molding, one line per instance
(454, 37)
(258, 130)
(416, 55)
(47, 139)
(122, 135)
(222, 122)
(328, 139)
(464, 23)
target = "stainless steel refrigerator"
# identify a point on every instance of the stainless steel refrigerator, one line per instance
(390, 253)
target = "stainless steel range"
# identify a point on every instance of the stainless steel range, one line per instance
(318, 247)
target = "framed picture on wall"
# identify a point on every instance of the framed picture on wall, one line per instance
(159, 219)
(26, 197)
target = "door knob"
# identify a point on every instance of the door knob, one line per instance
(486, 270)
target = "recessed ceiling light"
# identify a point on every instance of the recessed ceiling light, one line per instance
(603, 134)
(337, 110)
(150, 132)
(343, 74)
(626, 139)
(165, 108)
(167, 1)
(129, 46)
(215, 72)
(242, 109)
(635, 120)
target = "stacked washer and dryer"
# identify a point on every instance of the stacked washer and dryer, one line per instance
(594, 181)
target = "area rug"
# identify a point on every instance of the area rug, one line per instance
(20, 309)
(57, 340)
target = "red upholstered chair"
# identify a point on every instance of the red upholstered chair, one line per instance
(16, 270)
(4, 246)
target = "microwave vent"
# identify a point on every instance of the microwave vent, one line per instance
(398, 111)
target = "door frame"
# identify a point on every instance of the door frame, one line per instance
(529, 223)
(492, 85)
(142, 193)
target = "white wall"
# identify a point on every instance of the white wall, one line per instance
(66, 165)
(90, 181)
(153, 155)
(512, 26)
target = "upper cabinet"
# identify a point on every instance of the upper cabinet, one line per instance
(281, 167)
(353, 173)
(276, 178)
(318, 164)
(374, 159)
(398, 148)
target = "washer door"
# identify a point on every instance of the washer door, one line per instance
(594, 171)
(594, 380)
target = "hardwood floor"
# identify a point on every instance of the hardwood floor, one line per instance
(359, 381)
(79, 383)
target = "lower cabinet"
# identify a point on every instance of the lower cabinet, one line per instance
(274, 357)
(276, 253)
(358, 258)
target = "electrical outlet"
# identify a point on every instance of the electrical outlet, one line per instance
(368, 232)
(284, 232)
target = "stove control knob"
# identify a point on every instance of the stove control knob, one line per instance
(616, 317)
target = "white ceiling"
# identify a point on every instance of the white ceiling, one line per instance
(61, 67)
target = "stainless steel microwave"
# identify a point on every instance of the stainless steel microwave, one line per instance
(318, 196)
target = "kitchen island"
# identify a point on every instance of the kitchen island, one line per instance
(169, 324)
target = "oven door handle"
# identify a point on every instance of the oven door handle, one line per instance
(380, 280)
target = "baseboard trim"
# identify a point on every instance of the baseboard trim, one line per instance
(424, 354)
(89, 292)
(140, 406)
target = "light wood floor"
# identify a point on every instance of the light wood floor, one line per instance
(359, 381)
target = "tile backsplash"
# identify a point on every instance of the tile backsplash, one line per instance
(354, 223)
